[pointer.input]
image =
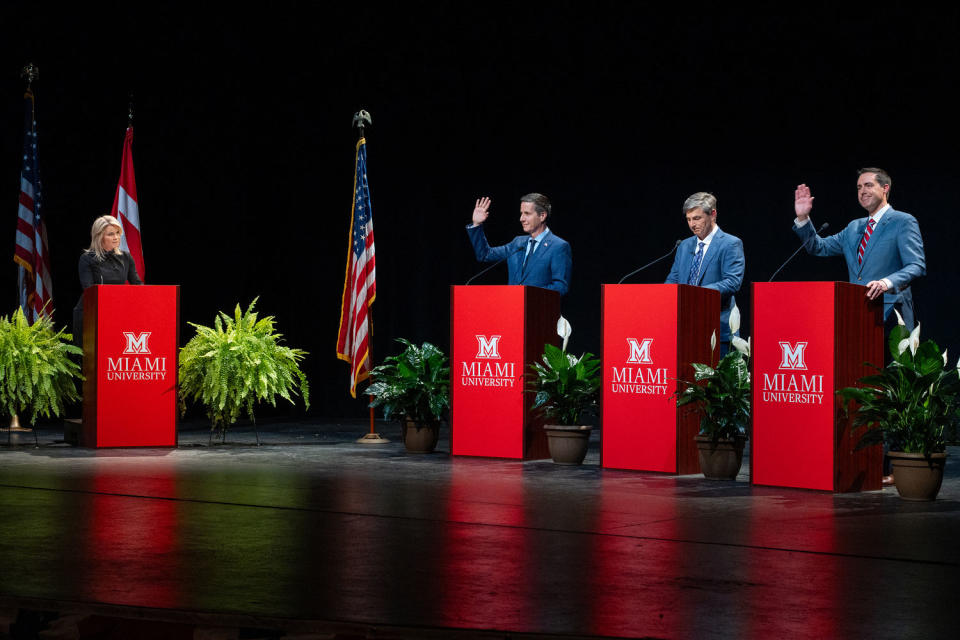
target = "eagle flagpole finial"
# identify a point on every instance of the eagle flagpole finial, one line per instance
(30, 72)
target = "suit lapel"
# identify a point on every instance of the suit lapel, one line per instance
(687, 249)
(542, 247)
(520, 244)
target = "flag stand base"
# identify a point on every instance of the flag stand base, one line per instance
(15, 426)
(372, 438)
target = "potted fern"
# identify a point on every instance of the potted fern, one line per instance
(565, 386)
(907, 404)
(37, 376)
(236, 364)
(722, 396)
(413, 387)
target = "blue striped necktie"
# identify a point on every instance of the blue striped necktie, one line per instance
(695, 267)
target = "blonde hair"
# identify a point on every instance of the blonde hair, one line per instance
(97, 231)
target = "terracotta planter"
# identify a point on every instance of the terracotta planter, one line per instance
(918, 477)
(420, 437)
(721, 459)
(568, 444)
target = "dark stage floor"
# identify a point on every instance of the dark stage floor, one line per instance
(312, 535)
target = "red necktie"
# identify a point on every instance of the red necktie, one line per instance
(863, 241)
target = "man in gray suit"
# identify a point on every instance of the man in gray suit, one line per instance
(884, 251)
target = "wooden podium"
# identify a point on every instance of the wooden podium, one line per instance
(496, 332)
(651, 334)
(130, 336)
(810, 339)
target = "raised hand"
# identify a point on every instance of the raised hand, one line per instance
(481, 210)
(802, 202)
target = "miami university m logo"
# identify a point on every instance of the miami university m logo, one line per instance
(137, 342)
(640, 351)
(792, 357)
(488, 348)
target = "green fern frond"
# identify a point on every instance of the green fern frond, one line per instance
(37, 376)
(237, 364)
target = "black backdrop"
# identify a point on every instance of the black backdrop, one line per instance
(244, 149)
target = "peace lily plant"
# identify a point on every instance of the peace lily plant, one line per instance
(565, 385)
(722, 393)
(908, 402)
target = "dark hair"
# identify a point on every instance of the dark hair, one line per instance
(883, 178)
(541, 203)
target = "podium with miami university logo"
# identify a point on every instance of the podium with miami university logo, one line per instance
(651, 334)
(809, 340)
(496, 332)
(130, 336)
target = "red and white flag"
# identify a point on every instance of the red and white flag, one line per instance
(125, 206)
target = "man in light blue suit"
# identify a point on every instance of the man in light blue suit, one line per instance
(539, 259)
(884, 251)
(709, 258)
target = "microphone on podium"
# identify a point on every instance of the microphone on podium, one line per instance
(518, 249)
(802, 245)
(664, 256)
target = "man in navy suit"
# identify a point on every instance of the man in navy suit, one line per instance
(884, 251)
(540, 258)
(709, 258)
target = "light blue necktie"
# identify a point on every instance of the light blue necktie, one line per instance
(695, 267)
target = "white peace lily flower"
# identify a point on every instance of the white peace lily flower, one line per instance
(740, 345)
(900, 319)
(713, 341)
(564, 330)
(915, 339)
(734, 319)
(903, 345)
(944, 357)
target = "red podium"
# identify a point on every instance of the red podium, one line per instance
(651, 334)
(496, 332)
(810, 339)
(130, 336)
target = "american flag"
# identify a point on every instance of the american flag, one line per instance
(32, 252)
(360, 283)
(125, 206)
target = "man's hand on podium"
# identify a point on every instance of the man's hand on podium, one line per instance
(876, 288)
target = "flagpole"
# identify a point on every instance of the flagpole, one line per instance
(30, 72)
(360, 120)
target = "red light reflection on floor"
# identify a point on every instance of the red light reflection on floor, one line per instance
(130, 543)
(633, 589)
(795, 593)
(485, 570)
